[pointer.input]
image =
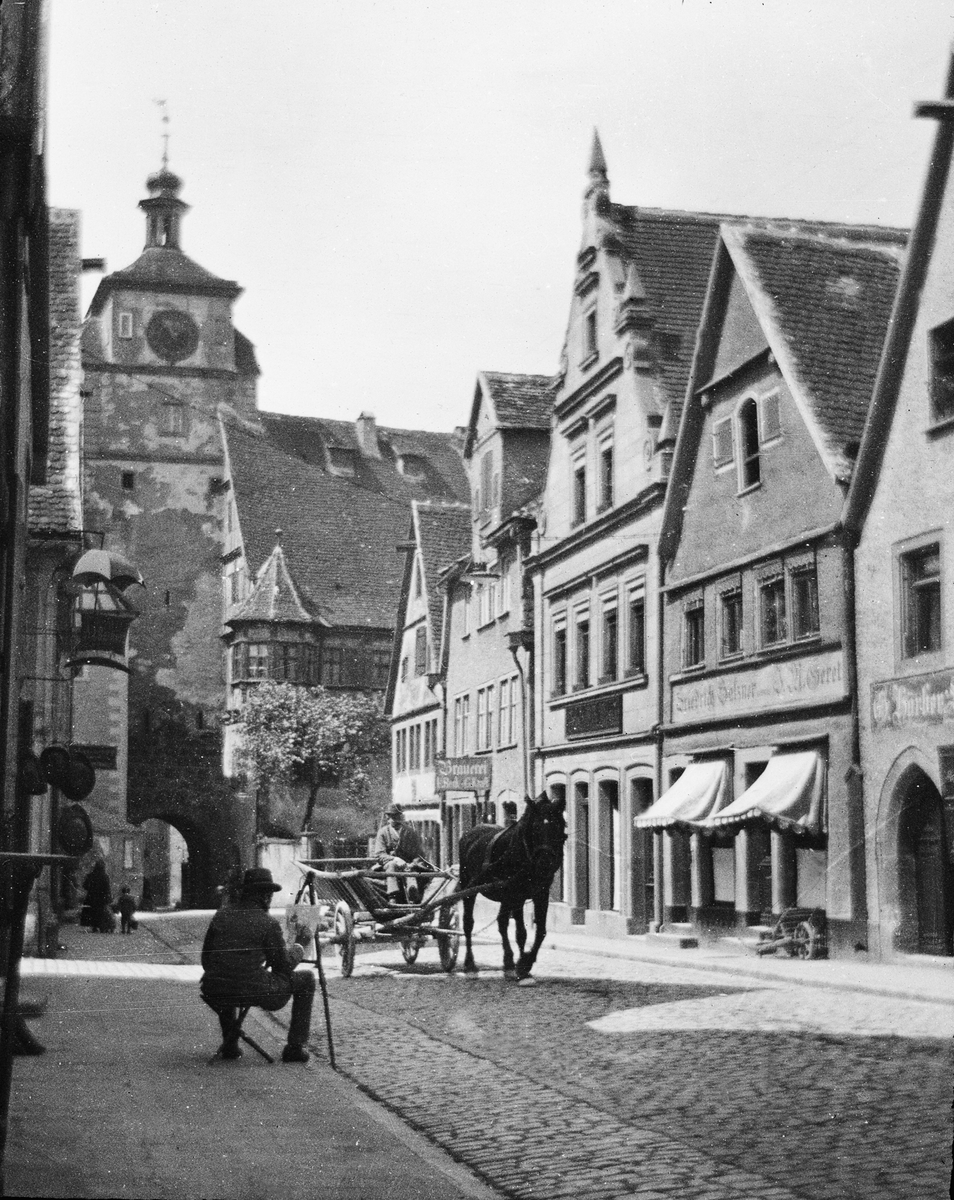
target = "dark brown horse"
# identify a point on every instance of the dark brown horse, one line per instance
(511, 866)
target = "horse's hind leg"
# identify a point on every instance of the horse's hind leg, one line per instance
(470, 967)
(503, 920)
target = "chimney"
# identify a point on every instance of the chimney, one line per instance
(367, 435)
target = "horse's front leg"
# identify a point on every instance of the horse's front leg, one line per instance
(503, 920)
(470, 967)
(541, 905)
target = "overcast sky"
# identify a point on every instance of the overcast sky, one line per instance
(397, 186)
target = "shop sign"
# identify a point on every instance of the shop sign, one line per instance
(795, 683)
(602, 714)
(471, 774)
(917, 700)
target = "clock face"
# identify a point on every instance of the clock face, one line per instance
(172, 334)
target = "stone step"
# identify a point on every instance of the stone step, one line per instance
(681, 936)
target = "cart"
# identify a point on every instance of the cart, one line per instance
(342, 902)
(801, 932)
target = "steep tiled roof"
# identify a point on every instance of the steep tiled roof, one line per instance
(830, 301)
(442, 478)
(245, 360)
(274, 596)
(672, 252)
(443, 535)
(521, 401)
(54, 507)
(165, 266)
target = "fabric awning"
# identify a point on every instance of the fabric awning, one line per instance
(788, 795)
(698, 792)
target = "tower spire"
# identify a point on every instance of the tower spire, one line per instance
(597, 188)
(163, 208)
(164, 109)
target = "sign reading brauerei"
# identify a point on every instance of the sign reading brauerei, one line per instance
(462, 774)
(794, 683)
(917, 700)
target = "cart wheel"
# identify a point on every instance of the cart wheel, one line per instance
(804, 940)
(344, 929)
(409, 948)
(448, 944)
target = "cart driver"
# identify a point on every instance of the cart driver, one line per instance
(398, 848)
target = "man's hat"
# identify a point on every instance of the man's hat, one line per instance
(394, 810)
(259, 879)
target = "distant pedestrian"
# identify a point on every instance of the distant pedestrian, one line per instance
(126, 907)
(98, 896)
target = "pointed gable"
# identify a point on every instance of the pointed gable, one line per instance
(443, 534)
(274, 596)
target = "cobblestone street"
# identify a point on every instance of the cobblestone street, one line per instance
(616, 1078)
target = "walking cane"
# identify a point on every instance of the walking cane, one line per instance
(324, 999)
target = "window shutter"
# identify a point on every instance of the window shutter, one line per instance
(722, 448)
(770, 416)
(486, 482)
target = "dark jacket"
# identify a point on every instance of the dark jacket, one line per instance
(397, 843)
(96, 884)
(243, 957)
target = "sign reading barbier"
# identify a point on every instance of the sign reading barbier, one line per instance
(795, 683)
(917, 700)
(462, 774)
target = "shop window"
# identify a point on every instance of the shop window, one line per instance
(772, 615)
(750, 469)
(941, 341)
(730, 623)
(559, 661)
(694, 635)
(921, 600)
(582, 652)
(723, 444)
(636, 664)
(609, 648)
(805, 621)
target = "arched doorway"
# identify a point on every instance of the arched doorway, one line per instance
(925, 874)
(176, 865)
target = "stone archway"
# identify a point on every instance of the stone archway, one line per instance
(916, 876)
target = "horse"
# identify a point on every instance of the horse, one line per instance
(512, 865)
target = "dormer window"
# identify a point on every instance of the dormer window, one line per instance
(412, 466)
(941, 341)
(341, 461)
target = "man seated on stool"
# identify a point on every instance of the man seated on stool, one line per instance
(245, 962)
(396, 847)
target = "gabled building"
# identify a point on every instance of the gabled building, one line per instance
(637, 297)
(486, 663)
(761, 801)
(900, 519)
(440, 535)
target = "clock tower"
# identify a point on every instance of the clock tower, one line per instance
(162, 364)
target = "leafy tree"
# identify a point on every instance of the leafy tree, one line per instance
(327, 739)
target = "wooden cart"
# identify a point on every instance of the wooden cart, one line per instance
(342, 902)
(800, 932)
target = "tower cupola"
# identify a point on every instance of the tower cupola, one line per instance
(163, 209)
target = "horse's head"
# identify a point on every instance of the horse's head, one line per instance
(543, 833)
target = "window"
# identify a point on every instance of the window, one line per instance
(582, 652)
(414, 758)
(609, 645)
(258, 660)
(606, 477)
(750, 470)
(381, 666)
(772, 616)
(466, 613)
(941, 342)
(332, 666)
(127, 854)
(458, 712)
(804, 602)
(417, 579)
(579, 492)
(589, 335)
(730, 623)
(486, 483)
(503, 728)
(172, 420)
(125, 325)
(723, 447)
(485, 709)
(493, 599)
(420, 650)
(504, 605)
(770, 418)
(694, 635)
(234, 586)
(921, 599)
(400, 751)
(404, 669)
(129, 481)
(464, 724)
(430, 743)
(288, 662)
(513, 727)
(559, 661)
(636, 661)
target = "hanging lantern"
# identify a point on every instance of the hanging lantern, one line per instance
(101, 620)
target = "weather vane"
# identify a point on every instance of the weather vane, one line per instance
(165, 132)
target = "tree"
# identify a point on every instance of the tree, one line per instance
(328, 739)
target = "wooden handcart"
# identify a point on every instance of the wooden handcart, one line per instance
(342, 902)
(800, 932)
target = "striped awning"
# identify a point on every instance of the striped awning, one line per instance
(698, 792)
(788, 795)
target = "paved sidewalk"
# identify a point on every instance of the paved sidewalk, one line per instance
(125, 1102)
